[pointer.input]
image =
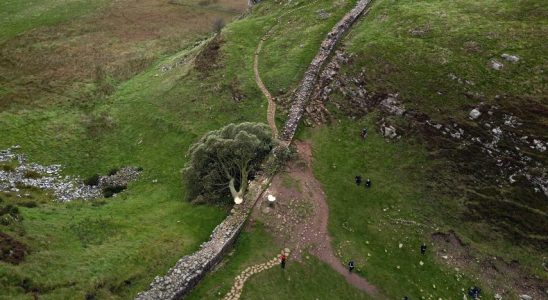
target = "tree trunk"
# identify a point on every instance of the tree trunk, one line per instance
(236, 195)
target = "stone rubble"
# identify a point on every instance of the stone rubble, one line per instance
(64, 188)
(239, 281)
(496, 65)
(510, 58)
(474, 114)
(388, 131)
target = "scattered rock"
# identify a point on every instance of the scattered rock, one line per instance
(525, 297)
(496, 65)
(322, 14)
(475, 113)
(510, 58)
(65, 188)
(388, 131)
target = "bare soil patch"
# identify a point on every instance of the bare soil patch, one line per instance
(11, 250)
(209, 58)
(299, 218)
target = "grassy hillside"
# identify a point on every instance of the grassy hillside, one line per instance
(91, 90)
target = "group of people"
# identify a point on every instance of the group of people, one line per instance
(358, 180)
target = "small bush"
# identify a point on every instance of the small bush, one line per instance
(93, 180)
(9, 214)
(9, 209)
(113, 171)
(110, 191)
(98, 203)
(7, 168)
(32, 174)
(28, 204)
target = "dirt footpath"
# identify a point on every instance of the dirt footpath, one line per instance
(299, 218)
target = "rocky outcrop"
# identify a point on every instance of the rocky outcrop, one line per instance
(189, 270)
(18, 174)
(306, 87)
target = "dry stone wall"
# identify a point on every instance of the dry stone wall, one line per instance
(189, 270)
(307, 85)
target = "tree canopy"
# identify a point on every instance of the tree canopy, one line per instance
(221, 161)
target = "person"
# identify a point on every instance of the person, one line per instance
(282, 260)
(350, 266)
(358, 180)
(423, 248)
(474, 292)
(363, 134)
(405, 298)
(368, 183)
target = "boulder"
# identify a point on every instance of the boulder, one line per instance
(496, 65)
(510, 58)
(388, 131)
(474, 114)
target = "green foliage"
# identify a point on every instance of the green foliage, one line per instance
(9, 214)
(113, 171)
(111, 190)
(32, 174)
(224, 156)
(7, 167)
(28, 204)
(93, 180)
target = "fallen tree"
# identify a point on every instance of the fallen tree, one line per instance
(222, 160)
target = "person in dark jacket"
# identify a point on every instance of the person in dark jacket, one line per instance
(351, 266)
(423, 249)
(368, 183)
(358, 180)
(283, 258)
(474, 292)
(363, 134)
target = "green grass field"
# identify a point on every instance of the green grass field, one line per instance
(113, 248)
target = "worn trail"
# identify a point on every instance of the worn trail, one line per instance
(271, 110)
(305, 233)
(314, 232)
(239, 281)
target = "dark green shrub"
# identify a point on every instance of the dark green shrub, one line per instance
(93, 180)
(97, 203)
(7, 168)
(113, 171)
(109, 191)
(32, 174)
(28, 204)
(9, 214)
(9, 210)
